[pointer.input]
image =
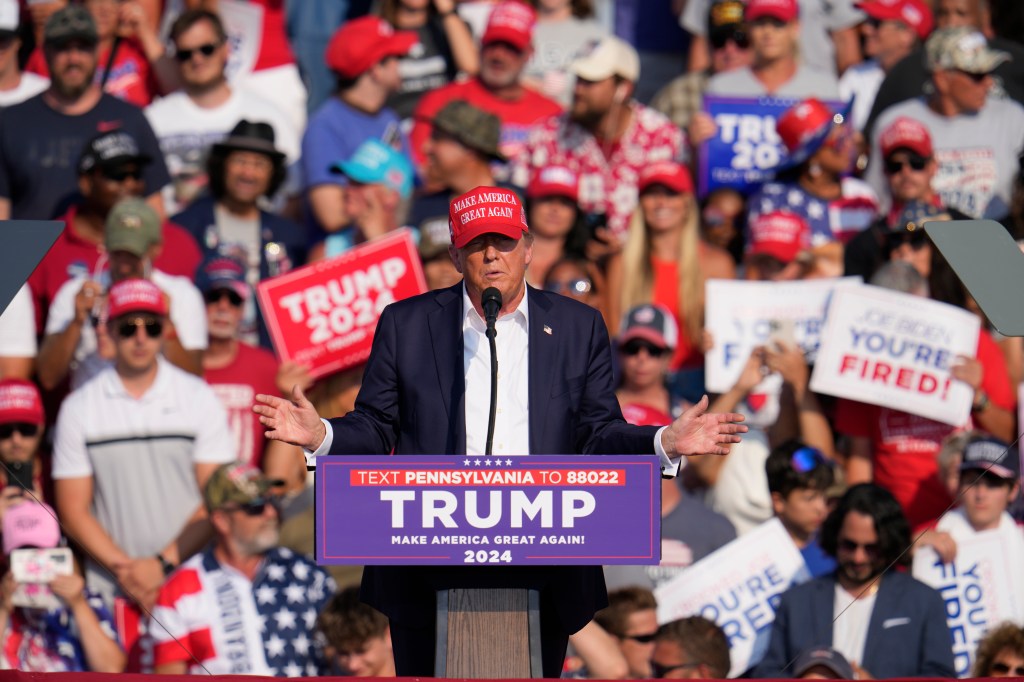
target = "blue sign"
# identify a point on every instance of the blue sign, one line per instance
(475, 510)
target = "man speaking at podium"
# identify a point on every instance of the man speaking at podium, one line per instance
(427, 390)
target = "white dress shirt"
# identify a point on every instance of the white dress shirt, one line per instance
(512, 418)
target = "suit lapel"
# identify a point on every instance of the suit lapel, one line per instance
(445, 323)
(823, 609)
(879, 614)
(542, 358)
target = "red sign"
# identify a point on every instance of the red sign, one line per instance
(323, 315)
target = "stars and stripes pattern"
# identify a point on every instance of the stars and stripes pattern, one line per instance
(838, 219)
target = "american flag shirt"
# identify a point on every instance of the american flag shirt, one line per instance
(830, 220)
(216, 620)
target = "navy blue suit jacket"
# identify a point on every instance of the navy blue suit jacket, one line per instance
(907, 635)
(412, 401)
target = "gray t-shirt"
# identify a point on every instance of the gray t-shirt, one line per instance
(977, 154)
(818, 18)
(806, 82)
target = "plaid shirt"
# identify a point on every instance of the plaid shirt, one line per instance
(682, 97)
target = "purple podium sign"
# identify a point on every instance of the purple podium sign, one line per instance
(475, 510)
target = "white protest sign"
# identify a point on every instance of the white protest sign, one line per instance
(892, 349)
(739, 316)
(738, 587)
(981, 588)
(243, 23)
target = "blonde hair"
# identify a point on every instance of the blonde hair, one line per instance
(638, 271)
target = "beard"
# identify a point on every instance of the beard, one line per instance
(260, 542)
(73, 90)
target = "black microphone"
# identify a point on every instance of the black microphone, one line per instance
(490, 301)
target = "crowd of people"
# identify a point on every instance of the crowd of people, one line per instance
(195, 148)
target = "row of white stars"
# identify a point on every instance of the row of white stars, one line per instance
(486, 462)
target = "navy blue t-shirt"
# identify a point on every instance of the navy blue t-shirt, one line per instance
(818, 563)
(40, 147)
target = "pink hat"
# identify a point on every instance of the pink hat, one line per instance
(780, 234)
(483, 210)
(916, 14)
(510, 22)
(554, 181)
(30, 524)
(135, 296)
(362, 42)
(673, 175)
(783, 10)
(906, 133)
(20, 402)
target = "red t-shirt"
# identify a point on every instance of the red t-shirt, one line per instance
(253, 371)
(131, 78)
(274, 47)
(517, 117)
(666, 293)
(71, 256)
(905, 447)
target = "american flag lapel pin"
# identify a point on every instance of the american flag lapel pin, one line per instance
(547, 330)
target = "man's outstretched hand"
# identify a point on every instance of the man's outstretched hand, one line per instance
(696, 432)
(293, 421)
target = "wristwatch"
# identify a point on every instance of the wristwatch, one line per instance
(166, 565)
(981, 402)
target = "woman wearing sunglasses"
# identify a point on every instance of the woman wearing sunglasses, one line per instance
(665, 261)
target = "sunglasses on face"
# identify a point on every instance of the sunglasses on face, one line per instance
(807, 459)
(642, 639)
(976, 77)
(720, 40)
(1004, 669)
(658, 670)
(850, 547)
(916, 163)
(217, 295)
(636, 345)
(575, 286)
(254, 508)
(122, 174)
(126, 329)
(24, 429)
(206, 50)
(916, 239)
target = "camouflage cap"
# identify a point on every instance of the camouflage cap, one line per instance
(73, 22)
(132, 226)
(471, 127)
(236, 483)
(962, 48)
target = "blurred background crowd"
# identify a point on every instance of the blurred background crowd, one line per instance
(194, 148)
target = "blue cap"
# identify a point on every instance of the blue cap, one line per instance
(375, 163)
(222, 272)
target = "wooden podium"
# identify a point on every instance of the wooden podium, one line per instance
(488, 633)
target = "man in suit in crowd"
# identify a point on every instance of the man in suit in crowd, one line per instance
(426, 390)
(884, 622)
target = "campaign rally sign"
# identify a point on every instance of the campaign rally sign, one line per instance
(478, 510)
(323, 315)
(895, 350)
(740, 315)
(981, 588)
(745, 150)
(738, 587)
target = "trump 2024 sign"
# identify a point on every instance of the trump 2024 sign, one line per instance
(470, 510)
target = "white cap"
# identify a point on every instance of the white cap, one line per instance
(607, 57)
(9, 15)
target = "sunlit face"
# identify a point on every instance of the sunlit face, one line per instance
(985, 497)
(72, 66)
(105, 14)
(664, 209)
(1007, 663)
(21, 444)
(836, 154)
(247, 176)
(501, 64)
(494, 260)
(224, 309)
(373, 658)
(104, 187)
(917, 252)
(967, 91)
(957, 13)
(909, 175)
(569, 279)
(552, 217)
(252, 533)
(200, 70)
(886, 38)
(643, 624)
(772, 39)
(137, 338)
(445, 156)
(731, 53)
(802, 511)
(643, 364)
(857, 550)
(592, 100)
(670, 662)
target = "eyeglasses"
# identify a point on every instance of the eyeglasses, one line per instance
(25, 430)
(634, 347)
(721, 39)
(122, 174)
(575, 286)
(807, 459)
(850, 547)
(894, 166)
(976, 77)
(658, 670)
(216, 295)
(253, 508)
(126, 329)
(916, 239)
(206, 50)
(1003, 669)
(643, 639)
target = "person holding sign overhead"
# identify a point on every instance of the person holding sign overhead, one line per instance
(426, 390)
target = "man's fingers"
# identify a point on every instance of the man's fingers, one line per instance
(732, 428)
(697, 409)
(271, 400)
(299, 397)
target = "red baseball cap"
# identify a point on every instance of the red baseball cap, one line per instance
(135, 296)
(673, 175)
(554, 181)
(362, 42)
(510, 22)
(20, 402)
(483, 210)
(780, 234)
(783, 10)
(906, 133)
(915, 14)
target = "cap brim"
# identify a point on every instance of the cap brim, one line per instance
(590, 70)
(813, 144)
(353, 171)
(141, 159)
(509, 231)
(997, 469)
(645, 334)
(399, 44)
(234, 285)
(989, 61)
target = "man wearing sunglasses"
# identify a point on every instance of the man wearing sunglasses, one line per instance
(691, 648)
(76, 342)
(631, 618)
(884, 622)
(244, 605)
(132, 450)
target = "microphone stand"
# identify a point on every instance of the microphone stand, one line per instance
(491, 303)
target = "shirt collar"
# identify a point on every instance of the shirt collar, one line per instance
(470, 316)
